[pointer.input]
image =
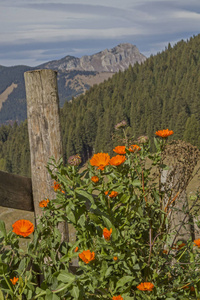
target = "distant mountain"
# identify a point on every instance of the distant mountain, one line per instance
(113, 60)
(75, 76)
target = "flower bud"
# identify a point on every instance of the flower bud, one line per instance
(74, 160)
(120, 125)
(143, 139)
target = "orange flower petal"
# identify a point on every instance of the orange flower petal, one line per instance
(117, 297)
(107, 234)
(95, 179)
(23, 227)
(87, 256)
(100, 160)
(134, 148)
(164, 133)
(117, 160)
(120, 150)
(145, 286)
(113, 194)
(44, 203)
(14, 280)
(197, 243)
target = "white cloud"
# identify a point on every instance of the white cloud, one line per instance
(29, 26)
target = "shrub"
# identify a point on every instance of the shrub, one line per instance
(123, 245)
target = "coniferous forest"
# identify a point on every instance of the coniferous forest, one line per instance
(163, 92)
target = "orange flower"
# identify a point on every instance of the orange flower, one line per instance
(120, 150)
(165, 251)
(113, 194)
(181, 246)
(100, 160)
(23, 227)
(14, 280)
(76, 249)
(197, 243)
(43, 203)
(192, 289)
(117, 160)
(115, 258)
(134, 148)
(117, 297)
(56, 186)
(145, 286)
(95, 179)
(87, 256)
(107, 234)
(106, 193)
(164, 133)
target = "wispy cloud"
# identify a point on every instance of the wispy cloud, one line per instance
(45, 29)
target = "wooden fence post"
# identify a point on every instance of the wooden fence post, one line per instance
(181, 158)
(44, 132)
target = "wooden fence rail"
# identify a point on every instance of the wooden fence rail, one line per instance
(16, 192)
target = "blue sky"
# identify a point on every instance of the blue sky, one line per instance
(36, 31)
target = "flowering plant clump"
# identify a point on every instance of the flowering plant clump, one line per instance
(122, 247)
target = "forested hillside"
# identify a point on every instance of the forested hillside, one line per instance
(163, 92)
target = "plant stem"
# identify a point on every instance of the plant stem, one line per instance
(8, 283)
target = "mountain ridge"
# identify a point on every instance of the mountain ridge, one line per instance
(75, 76)
(108, 60)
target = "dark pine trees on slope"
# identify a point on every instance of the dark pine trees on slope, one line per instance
(163, 92)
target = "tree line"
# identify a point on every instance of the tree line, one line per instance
(163, 92)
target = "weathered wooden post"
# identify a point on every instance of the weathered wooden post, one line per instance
(44, 132)
(181, 158)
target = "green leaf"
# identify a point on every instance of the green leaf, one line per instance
(66, 277)
(3, 228)
(3, 268)
(22, 265)
(75, 292)
(1, 296)
(136, 182)
(84, 194)
(70, 215)
(123, 281)
(81, 221)
(157, 144)
(136, 267)
(94, 218)
(51, 296)
(108, 271)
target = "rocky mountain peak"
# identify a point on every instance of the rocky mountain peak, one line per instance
(108, 60)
